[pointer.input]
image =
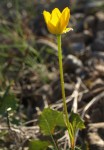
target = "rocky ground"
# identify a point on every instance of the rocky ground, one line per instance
(83, 62)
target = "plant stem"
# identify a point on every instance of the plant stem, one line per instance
(72, 145)
(63, 93)
(62, 79)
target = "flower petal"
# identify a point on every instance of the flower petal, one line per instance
(55, 16)
(56, 12)
(65, 18)
(52, 29)
(47, 16)
(66, 14)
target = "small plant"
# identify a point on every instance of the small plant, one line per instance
(50, 119)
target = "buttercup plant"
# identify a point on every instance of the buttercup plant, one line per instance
(57, 23)
(49, 119)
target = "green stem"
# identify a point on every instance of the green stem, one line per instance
(68, 125)
(62, 79)
(73, 145)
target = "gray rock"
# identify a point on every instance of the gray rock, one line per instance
(88, 36)
(79, 23)
(75, 37)
(100, 35)
(96, 136)
(77, 48)
(98, 83)
(80, 5)
(89, 22)
(97, 111)
(94, 6)
(98, 45)
(100, 20)
(74, 43)
(57, 3)
(79, 16)
(71, 63)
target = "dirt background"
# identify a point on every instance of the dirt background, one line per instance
(28, 58)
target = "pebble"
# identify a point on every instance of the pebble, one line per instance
(100, 20)
(95, 136)
(98, 45)
(71, 63)
(89, 22)
(77, 48)
(100, 35)
(88, 37)
(93, 6)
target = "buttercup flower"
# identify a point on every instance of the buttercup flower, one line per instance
(56, 21)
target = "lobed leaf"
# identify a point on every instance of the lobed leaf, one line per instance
(49, 119)
(38, 145)
(7, 101)
(76, 121)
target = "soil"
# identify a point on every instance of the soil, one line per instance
(39, 87)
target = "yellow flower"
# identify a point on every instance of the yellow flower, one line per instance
(56, 21)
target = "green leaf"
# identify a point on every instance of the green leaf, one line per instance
(49, 119)
(8, 101)
(76, 121)
(38, 145)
